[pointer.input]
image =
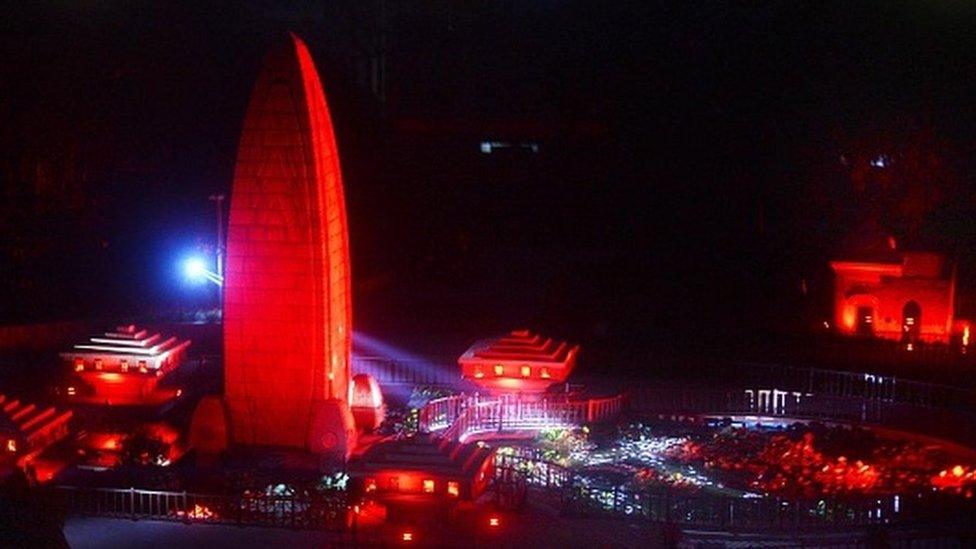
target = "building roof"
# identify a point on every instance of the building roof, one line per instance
(424, 452)
(128, 341)
(521, 346)
(519, 361)
(21, 420)
(900, 264)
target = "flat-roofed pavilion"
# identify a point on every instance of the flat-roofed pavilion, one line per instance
(518, 362)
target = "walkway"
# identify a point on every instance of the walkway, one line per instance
(103, 533)
(464, 417)
(532, 528)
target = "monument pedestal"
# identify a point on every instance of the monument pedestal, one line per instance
(332, 432)
(209, 428)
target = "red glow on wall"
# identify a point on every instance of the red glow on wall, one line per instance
(333, 229)
(108, 442)
(111, 377)
(910, 299)
(287, 308)
(118, 389)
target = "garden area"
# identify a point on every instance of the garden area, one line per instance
(801, 460)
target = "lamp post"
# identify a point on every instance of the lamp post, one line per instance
(218, 200)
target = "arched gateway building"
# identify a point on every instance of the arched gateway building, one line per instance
(287, 308)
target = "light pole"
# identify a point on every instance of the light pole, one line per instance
(218, 200)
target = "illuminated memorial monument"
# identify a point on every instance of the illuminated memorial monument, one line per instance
(287, 302)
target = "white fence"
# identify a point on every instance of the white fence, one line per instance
(462, 416)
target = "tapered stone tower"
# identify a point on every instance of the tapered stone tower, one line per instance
(287, 299)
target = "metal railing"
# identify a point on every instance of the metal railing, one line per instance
(461, 416)
(957, 425)
(407, 372)
(296, 511)
(580, 495)
(440, 413)
(853, 384)
(802, 393)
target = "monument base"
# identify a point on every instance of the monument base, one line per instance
(368, 419)
(209, 427)
(332, 432)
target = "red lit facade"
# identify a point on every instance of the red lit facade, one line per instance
(123, 367)
(424, 468)
(908, 297)
(519, 362)
(287, 309)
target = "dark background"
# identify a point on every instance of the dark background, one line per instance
(698, 163)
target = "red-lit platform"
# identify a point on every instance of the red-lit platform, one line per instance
(123, 367)
(519, 362)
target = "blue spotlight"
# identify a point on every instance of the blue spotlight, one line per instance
(195, 269)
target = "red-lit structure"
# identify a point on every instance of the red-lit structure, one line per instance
(904, 296)
(123, 367)
(366, 402)
(423, 469)
(26, 430)
(287, 309)
(519, 362)
(107, 448)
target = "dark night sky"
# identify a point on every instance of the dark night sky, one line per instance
(689, 171)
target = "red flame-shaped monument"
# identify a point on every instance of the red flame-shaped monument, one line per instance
(287, 308)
